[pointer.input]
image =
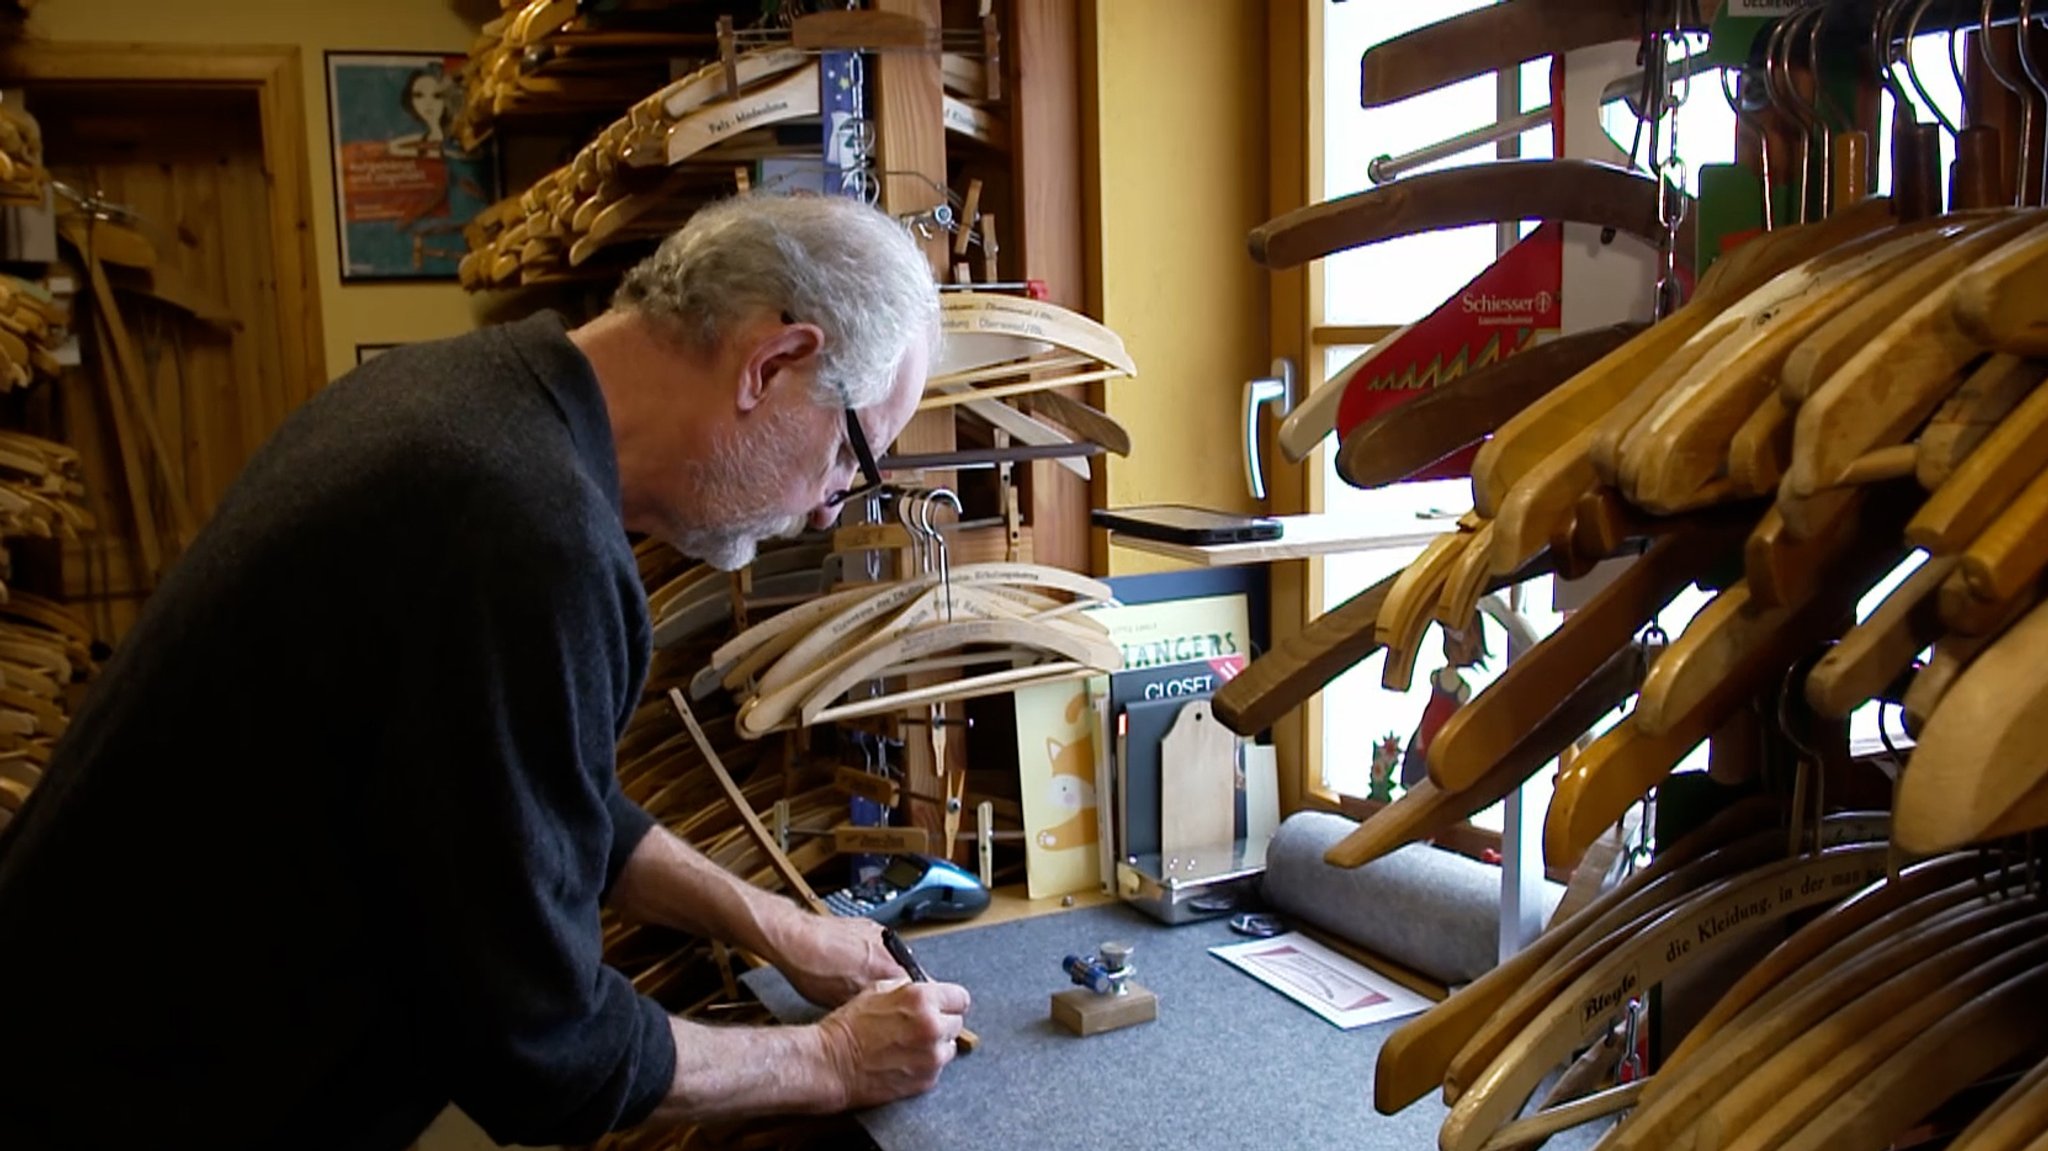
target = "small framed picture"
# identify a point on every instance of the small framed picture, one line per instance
(367, 352)
(404, 185)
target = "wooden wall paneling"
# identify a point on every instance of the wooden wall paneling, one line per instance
(273, 74)
(188, 160)
(1042, 82)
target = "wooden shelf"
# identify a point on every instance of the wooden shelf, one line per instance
(1301, 537)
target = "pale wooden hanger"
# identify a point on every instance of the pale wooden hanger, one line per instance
(1897, 376)
(828, 633)
(1980, 751)
(1556, 423)
(1537, 681)
(1673, 939)
(1410, 605)
(987, 329)
(1965, 420)
(1684, 1088)
(2007, 557)
(914, 620)
(1978, 1025)
(1681, 444)
(1799, 1085)
(1874, 652)
(1791, 293)
(1989, 477)
(1415, 1057)
(790, 679)
(1870, 918)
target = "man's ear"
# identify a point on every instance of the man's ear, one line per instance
(786, 354)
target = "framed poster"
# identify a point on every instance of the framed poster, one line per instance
(404, 186)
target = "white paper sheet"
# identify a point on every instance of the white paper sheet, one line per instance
(1332, 985)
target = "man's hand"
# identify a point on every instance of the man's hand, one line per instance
(830, 959)
(892, 1042)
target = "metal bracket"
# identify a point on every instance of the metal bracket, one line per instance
(1276, 389)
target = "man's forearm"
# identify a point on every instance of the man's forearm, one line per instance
(725, 1073)
(668, 882)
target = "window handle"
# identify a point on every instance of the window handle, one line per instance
(1276, 389)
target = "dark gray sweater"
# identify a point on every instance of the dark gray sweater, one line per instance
(325, 847)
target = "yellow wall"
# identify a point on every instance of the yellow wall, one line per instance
(1179, 158)
(360, 313)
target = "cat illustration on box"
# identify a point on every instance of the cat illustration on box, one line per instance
(1073, 790)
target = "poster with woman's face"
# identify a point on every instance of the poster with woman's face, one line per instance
(404, 185)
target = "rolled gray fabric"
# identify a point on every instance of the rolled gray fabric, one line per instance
(1432, 911)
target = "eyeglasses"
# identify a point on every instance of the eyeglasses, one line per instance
(870, 475)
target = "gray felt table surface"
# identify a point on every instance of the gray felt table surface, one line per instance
(1229, 1063)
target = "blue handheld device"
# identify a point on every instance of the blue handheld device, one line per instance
(913, 888)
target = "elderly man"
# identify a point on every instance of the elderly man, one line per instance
(324, 850)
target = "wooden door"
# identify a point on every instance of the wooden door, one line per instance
(189, 163)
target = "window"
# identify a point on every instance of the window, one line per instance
(1361, 295)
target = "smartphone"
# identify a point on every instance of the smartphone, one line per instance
(1182, 524)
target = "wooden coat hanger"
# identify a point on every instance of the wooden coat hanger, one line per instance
(1683, 1090)
(986, 329)
(790, 678)
(1298, 667)
(1730, 648)
(1411, 604)
(1965, 420)
(1539, 992)
(1576, 191)
(1800, 1084)
(1536, 682)
(1426, 810)
(2015, 1121)
(1980, 752)
(1557, 429)
(1683, 935)
(1461, 412)
(1869, 918)
(1874, 652)
(1801, 292)
(1895, 378)
(827, 634)
(1489, 40)
(1998, 302)
(1416, 1056)
(1978, 1024)
(1681, 445)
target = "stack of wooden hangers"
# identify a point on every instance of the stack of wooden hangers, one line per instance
(642, 176)
(23, 179)
(1838, 400)
(559, 56)
(45, 649)
(32, 325)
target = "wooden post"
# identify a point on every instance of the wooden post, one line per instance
(1044, 86)
(908, 108)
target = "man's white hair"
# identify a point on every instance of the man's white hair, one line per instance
(827, 260)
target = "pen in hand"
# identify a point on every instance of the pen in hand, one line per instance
(898, 950)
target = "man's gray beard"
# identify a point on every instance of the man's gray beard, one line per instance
(725, 483)
(732, 546)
